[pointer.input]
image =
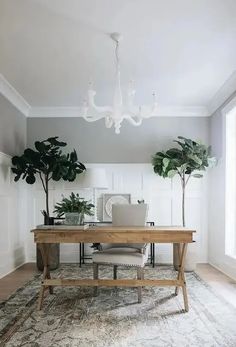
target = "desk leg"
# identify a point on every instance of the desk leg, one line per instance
(83, 253)
(179, 257)
(45, 251)
(181, 276)
(153, 255)
(80, 254)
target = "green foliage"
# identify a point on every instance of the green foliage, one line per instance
(47, 162)
(74, 204)
(191, 156)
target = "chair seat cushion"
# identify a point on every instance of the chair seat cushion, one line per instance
(121, 256)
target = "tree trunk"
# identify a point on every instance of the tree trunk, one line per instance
(176, 259)
(183, 202)
(47, 219)
(46, 192)
(54, 247)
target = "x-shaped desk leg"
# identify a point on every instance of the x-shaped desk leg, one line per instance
(181, 277)
(45, 251)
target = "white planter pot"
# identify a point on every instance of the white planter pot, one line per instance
(191, 257)
(190, 260)
(72, 218)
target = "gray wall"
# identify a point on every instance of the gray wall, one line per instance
(216, 201)
(216, 129)
(12, 128)
(96, 144)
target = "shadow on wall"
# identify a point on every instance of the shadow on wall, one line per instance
(18, 256)
(20, 143)
(100, 208)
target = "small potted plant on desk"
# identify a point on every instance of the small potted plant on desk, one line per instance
(74, 209)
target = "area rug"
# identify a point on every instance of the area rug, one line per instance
(74, 317)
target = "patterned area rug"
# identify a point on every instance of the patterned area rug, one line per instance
(73, 317)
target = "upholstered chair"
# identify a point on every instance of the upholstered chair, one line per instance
(125, 254)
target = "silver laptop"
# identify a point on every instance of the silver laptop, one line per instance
(129, 215)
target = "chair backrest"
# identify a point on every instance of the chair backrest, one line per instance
(129, 215)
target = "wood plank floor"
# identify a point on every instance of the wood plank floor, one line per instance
(16, 279)
(221, 283)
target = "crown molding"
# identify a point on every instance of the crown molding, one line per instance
(13, 96)
(223, 94)
(163, 111)
(51, 112)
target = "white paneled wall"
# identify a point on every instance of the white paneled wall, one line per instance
(162, 195)
(13, 218)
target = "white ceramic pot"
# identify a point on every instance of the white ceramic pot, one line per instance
(190, 260)
(72, 218)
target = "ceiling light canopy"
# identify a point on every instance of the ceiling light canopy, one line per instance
(115, 114)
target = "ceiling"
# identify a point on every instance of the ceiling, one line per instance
(184, 50)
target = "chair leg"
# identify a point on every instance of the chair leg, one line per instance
(95, 277)
(115, 272)
(140, 275)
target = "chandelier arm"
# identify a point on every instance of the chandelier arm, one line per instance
(117, 125)
(154, 106)
(154, 110)
(91, 119)
(108, 122)
(132, 121)
(91, 103)
(101, 109)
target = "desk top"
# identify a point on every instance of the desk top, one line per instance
(110, 228)
(112, 234)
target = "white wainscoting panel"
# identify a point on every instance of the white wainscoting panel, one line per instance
(13, 218)
(162, 195)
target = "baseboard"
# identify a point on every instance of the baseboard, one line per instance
(17, 267)
(222, 270)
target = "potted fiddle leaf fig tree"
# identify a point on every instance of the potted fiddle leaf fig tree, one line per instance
(186, 161)
(46, 162)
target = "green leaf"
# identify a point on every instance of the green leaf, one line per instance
(197, 175)
(195, 158)
(53, 141)
(73, 156)
(172, 173)
(40, 146)
(165, 163)
(30, 179)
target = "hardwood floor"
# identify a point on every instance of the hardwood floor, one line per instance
(221, 283)
(16, 279)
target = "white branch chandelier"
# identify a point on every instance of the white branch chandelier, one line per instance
(115, 114)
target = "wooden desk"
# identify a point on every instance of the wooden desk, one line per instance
(109, 234)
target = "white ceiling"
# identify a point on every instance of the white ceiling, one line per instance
(183, 49)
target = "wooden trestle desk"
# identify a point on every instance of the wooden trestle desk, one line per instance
(110, 234)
